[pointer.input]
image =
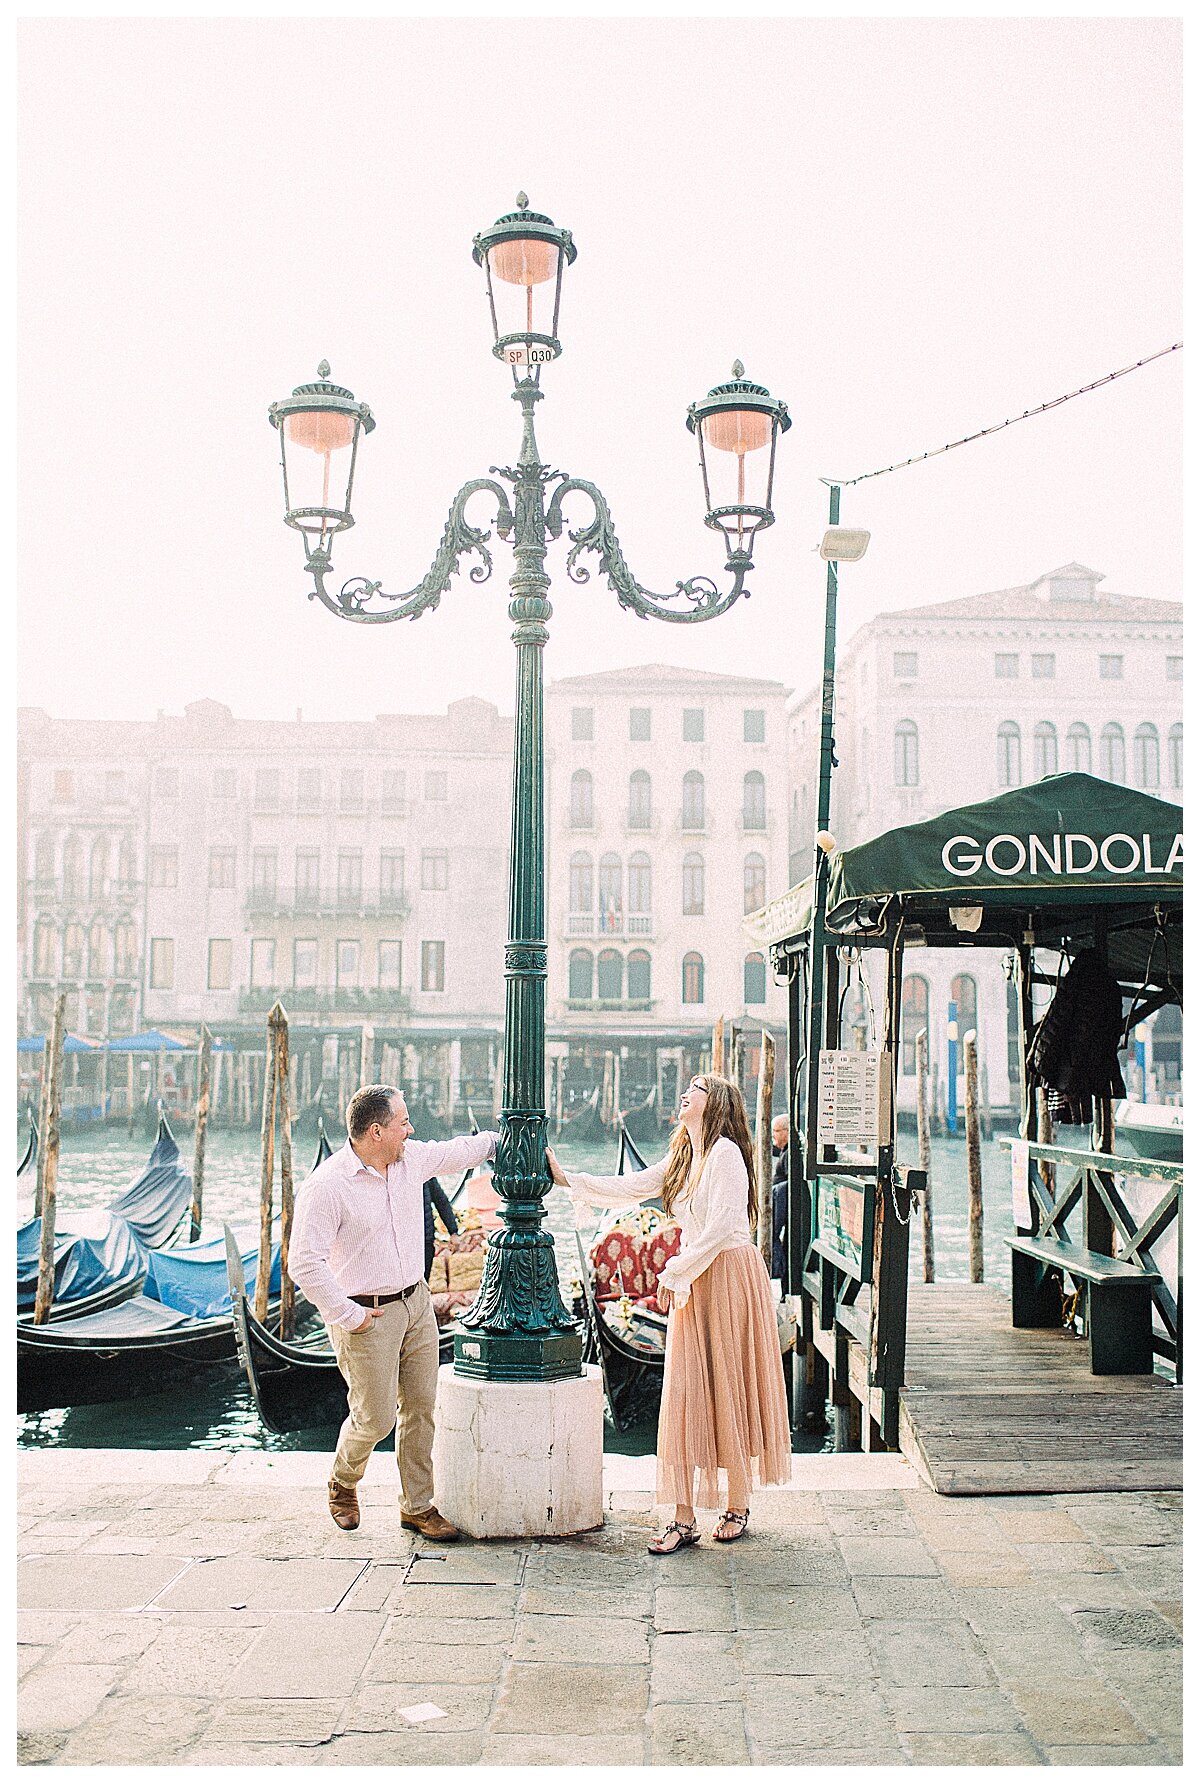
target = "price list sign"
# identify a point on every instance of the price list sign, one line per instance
(848, 1111)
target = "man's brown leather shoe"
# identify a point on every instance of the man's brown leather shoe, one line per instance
(343, 1505)
(432, 1525)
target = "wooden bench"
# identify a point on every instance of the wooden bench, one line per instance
(1118, 1299)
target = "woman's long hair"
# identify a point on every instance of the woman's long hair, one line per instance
(724, 1118)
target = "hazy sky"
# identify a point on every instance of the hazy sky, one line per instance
(907, 228)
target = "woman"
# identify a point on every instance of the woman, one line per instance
(724, 1408)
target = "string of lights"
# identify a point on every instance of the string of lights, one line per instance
(999, 426)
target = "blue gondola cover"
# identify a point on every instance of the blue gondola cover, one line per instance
(155, 1202)
(193, 1279)
(82, 1266)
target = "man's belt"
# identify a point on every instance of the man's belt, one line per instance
(375, 1300)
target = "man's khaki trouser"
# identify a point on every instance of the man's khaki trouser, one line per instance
(392, 1365)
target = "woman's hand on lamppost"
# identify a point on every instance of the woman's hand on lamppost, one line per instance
(557, 1173)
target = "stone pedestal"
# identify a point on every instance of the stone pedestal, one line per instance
(520, 1459)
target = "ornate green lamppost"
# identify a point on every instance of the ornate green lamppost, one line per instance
(518, 1328)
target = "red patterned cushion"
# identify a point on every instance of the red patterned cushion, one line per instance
(625, 1262)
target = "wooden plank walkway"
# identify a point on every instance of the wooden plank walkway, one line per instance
(989, 1409)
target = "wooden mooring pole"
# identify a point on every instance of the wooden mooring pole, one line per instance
(762, 1143)
(287, 1291)
(204, 1071)
(47, 1163)
(718, 1047)
(262, 1285)
(974, 1171)
(923, 1154)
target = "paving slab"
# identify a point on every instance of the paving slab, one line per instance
(289, 1585)
(1075, 1711)
(914, 1599)
(633, 1604)
(189, 1661)
(397, 1658)
(701, 1733)
(927, 1652)
(796, 1608)
(162, 1729)
(562, 1749)
(405, 1746)
(816, 1714)
(95, 1581)
(813, 1651)
(284, 1721)
(479, 1602)
(889, 1556)
(60, 1696)
(376, 1708)
(311, 1655)
(581, 1699)
(582, 1640)
(693, 1609)
(695, 1668)
(930, 1708)
(1106, 1755)
(968, 1749)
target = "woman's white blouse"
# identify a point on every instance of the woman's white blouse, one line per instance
(713, 1213)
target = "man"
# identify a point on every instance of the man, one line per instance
(779, 1189)
(357, 1252)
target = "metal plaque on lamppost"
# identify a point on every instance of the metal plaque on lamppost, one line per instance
(518, 1328)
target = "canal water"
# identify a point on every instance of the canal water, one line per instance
(215, 1410)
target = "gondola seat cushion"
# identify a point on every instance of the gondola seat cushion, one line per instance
(630, 1256)
(458, 1262)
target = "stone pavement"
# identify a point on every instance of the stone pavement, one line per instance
(193, 1608)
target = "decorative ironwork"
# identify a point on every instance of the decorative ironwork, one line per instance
(600, 537)
(459, 539)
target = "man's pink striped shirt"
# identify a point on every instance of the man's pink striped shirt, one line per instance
(357, 1232)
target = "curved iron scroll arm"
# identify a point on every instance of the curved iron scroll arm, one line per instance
(600, 536)
(459, 539)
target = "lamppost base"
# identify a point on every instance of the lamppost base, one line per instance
(520, 1458)
(518, 1356)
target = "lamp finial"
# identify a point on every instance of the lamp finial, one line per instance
(739, 370)
(522, 201)
(323, 369)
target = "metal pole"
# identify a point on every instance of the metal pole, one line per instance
(518, 1328)
(817, 936)
(923, 1153)
(974, 1172)
(202, 1100)
(762, 1144)
(48, 1160)
(952, 1067)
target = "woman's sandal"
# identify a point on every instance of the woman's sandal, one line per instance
(738, 1518)
(687, 1533)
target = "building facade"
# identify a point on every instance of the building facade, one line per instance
(197, 867)
(943, 705)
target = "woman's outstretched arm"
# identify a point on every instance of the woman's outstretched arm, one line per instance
(608, 1191)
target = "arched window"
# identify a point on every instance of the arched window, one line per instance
(1045, 749)
(610, 976)
(97, 950)
(639, 800)
(693, 978)
(1079, 749)
(754, 979)
(1175, 755)
(579, 976)
(638, 983)
(72, 869)
(1008, 754)
(72, 963)
(98, 874)
(914, 1015)
(693, 885)
(43, 859)
(1145, 756)
(906, 762)
(126, 872)
(581, 882)
(609, 895)
(45, 947)
(582, 816)
(639, 894)
(693, 800)
(964, 995)
(754, 882)
(1112, 754)
(125, 949)
(754, 801)
(120, 1012)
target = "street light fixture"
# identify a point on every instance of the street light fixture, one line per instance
(518, 1328)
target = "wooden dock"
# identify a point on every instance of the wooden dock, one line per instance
(987, 1409)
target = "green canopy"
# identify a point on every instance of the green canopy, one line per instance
(1068, 838)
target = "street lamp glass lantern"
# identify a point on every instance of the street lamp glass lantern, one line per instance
(737, 425)
(523, 255)
(319, 426)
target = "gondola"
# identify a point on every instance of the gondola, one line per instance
(428, 1122)
(99, 1268)
(582, 1124)
(31, 1147)
(641, 1121)
(181, 1319)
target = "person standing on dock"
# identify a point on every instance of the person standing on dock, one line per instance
(724, 1404)
(779, 1193)
(357, 1252)
(436, 1201)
